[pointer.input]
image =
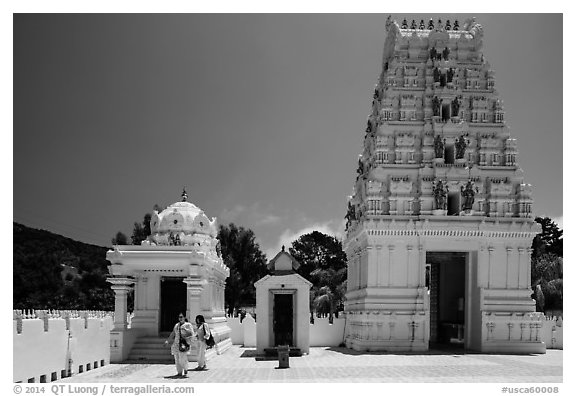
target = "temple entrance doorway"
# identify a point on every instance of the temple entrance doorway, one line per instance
(445, 112)
(172, 302)
(283, 324)
(446, 282)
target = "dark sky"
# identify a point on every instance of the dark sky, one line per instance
(261, 117)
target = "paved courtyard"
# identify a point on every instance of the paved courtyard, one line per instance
(239, 364)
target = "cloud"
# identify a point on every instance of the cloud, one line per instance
(288, 236)
(231, 215)
(268, 219)
(256, 214)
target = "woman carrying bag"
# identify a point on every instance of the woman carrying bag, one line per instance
(202, 334)
(181, 339)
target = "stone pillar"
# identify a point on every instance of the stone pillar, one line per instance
(377, 264)
(490, 260)
(508, 265)
(193, 292)
(372, 264)
(121, 287)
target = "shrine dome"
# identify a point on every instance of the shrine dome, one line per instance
(179, 222)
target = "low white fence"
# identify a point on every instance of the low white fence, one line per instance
(553, 332)
(50, 345)
(322, 333)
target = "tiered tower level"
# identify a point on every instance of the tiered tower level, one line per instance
(439, 199)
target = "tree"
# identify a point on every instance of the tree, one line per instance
(547, 273)
(549, 240)
(547, 266)
(120, 239)
(325, 302)
(247, 264)
(323, 262)
(141, 230)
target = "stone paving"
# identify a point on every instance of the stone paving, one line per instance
(240, 364)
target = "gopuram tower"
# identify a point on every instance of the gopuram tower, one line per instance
(440, 224)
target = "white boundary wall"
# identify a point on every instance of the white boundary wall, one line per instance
(43, 351)
(48, 346)
(552, 333)
(323, 334)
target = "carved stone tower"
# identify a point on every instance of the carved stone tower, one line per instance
(440, 225)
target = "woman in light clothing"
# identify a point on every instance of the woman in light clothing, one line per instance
(185, 330)
(202, 334)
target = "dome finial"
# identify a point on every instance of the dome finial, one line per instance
(184, 195)
(282, 247)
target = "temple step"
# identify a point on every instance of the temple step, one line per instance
(150, 350)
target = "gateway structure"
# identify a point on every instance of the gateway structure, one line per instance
(440, 225)
(178, 269)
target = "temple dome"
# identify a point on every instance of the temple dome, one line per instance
(181, 223)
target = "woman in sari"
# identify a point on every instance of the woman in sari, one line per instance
(181, 339)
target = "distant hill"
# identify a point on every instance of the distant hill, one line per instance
(56, 272)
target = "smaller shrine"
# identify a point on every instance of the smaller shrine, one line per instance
(283, 306)
(177, 269)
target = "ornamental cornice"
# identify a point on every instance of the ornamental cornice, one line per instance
(452, 233)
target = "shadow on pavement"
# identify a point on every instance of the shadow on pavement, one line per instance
(253, 353)
(435, 349)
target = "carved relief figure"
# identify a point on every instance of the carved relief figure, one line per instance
(436, 106)
(433, 53)
(350, 215)
(388, 22)
(360, 169)
(438, 147)
(174, 240)
(440, 191)
(468, 195)
(445, 53)
(460, 147)
(455, 107)
(436, 73)
(450, 74)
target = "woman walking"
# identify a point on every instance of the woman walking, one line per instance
(202, 334)
(181, 339)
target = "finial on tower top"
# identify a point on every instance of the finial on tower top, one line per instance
(184, 195)
(282, 247)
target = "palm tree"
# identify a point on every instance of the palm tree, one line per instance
(312, 304)
(325, 302)
(335, 282)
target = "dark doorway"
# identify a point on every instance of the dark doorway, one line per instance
(449, 154)
(283, 319)
(447, 297)
(445, 112)
(453, 203)
(172, 302)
